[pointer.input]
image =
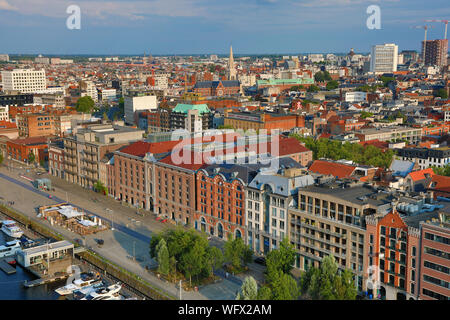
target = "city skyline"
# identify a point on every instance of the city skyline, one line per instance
(199, 27)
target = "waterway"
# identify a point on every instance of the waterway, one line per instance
(12, 288)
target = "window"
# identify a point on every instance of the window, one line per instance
(274, 212)
(413, 251)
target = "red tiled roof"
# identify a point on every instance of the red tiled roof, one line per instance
(376, 143)
(339, 170)
(441, 182)
(289, 146)
(33, 140)
(420, 174)
(196, 160)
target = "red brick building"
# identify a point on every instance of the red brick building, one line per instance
(435, 260)
(217, 88)
(56, 159)
(19, 149)
(392, 245)
(221, 201)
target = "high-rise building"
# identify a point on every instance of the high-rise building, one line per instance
(384, 58)
(24, 80)
(435, 52)
(88, 88)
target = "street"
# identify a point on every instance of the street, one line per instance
(127, 245)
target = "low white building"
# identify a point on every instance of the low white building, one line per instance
(355, 96)
(133, 104)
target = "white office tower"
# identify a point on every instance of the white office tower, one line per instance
(24, 80)
(135, 103)
(384, 58)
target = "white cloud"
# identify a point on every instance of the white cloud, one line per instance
(4, 5)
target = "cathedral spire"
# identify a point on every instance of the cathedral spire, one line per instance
(231, 68)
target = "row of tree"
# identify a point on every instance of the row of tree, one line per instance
(327, 282)
(189, 253)
(366, 155)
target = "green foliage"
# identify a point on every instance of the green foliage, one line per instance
(264, 293)
(442, 171)
(31, 157)
(100, 187)
(284, 287)
(237, 253)
(386, 80)
(249, 289)
(105, 116)
(162, 257)
(122, 104)
(365, 114)
(333, 84)
(327, 283)
(1, 158)
(225, 127)
(368, 155)
(281, 259)
(441, 93)
(85, 104)
(313, 88)
(322, 76)
(190, 251)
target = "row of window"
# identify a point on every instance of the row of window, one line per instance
(437, 267)
(433, 237)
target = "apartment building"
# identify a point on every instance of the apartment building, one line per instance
(435, 258)
(191, 117)
(263, 120)
(56, 158)
(88, 88)
(4, 113)
(24, 80)
(269, 196)
(35, 124)
(221, 200)
(435, 52)
(439, 157)
(136, 101)
(384, 58)
(330, 219)
(412, 135)
(20, 149)
(15, 99)
(84, 150)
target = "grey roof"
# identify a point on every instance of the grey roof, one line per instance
(401, 168)
(214, 84)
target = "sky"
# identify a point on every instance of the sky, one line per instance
(109, 27)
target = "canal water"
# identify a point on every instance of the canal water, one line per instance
(12, 288)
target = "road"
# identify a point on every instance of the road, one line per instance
(127, 245)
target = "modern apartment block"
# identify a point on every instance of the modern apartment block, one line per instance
(191, 117)
(412, 135)
(269, 196)
(88, 88)
(84, 150)
(136, 101)
(15, 99)
(435, 52)
(384, 58)
(24, 80)
(435, 258)
(330, 219)
(439, 157)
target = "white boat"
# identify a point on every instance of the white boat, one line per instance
(10, 228)
(109, 293)
(10, 248)
(86, 280)
(83, 292)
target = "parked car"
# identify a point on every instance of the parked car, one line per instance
(260, 260)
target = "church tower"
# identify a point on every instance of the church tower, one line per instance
(231, 68)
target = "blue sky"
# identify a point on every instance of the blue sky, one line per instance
(210, 26)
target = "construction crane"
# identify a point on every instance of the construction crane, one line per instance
(425, 39)
(443, 21)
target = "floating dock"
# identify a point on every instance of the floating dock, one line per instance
(6, 267)
(40, 281)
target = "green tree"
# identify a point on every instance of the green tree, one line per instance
(442, 171)
(192, 261)
(284, 287)
(215, 257)
(327, 282)
(333, 84)
(1, 158)
(85, 104)
(441, 93)
(237, 253)
(105, 116)
(264, 293)
(313, 88)
(31, 157)
(281, 259)
(365, 114)
(162, 257)
(100, 187)
(249, 289)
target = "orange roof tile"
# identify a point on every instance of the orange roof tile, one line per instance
(420, 175)
(335, 169)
